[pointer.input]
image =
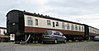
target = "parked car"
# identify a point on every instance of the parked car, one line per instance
(53, 36)
(96, 38)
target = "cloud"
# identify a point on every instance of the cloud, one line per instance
(82, 11)
(90, 19)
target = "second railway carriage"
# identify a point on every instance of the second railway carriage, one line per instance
(90, 32)
(22, 24)
(93, 32)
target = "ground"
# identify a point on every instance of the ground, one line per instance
(77, 46)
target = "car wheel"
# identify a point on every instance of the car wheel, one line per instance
(55, 41)
(65, 41)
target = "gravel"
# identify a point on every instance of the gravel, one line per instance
(80, 46)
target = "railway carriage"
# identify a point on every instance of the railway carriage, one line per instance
(93, 32)
(23, 24)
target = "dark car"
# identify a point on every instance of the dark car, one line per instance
(53, 36)
(96, 38)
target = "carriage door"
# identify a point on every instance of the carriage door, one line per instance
(53, 24)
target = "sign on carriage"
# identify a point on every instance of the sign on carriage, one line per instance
(12, 37)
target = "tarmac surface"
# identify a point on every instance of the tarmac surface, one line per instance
(78, 46)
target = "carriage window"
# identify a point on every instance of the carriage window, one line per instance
(48, 22)
(30, 21)
(63, 26)
(36, 21)
(82, 29)
(68, 27)
(57, 24)
(53, 24)
(76, 27)
(79, 28)
(4, 32)
(72, 27)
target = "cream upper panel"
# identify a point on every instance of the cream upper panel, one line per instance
(93, 30)
(76, 27)
(42, 22)
(25, 19)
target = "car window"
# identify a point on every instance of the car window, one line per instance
(48, 33)
(61, 33)
(56, 33)
(96, 36)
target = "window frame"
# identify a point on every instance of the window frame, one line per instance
(56, 33)
(36, 21)
(63, 25)
(68, 26)
(29, 21)
(72, 27)
(57, 23)
(76, 28)
(48, 22)
(79, 28)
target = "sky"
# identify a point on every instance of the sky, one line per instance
(81, 11)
